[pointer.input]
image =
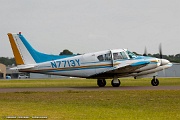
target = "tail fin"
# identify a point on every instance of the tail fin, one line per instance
(24, 53)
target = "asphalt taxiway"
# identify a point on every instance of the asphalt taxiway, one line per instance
(93, 88)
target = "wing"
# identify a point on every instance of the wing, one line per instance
(121, 71)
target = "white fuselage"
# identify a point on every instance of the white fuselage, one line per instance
(90, 64)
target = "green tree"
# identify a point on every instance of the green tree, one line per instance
(7, 61)
(177, 55)
(66, 52)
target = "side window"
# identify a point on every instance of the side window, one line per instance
(104, 57)
(100, 58)
(108, 56)
(117, 56)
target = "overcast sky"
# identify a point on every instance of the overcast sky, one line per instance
(92, 25)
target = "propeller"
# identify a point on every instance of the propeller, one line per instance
(161, 57)
(160, 54)
(145, 51)
(160, 51)
(161, 60)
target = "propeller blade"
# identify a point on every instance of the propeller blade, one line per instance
(160, 51)
(145, 52)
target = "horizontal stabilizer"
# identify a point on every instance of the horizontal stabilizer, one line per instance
(20, 67)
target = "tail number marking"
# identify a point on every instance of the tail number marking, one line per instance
(65, 63)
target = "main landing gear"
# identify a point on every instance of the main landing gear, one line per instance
(115, 82)
(154, 81)
(101, 82)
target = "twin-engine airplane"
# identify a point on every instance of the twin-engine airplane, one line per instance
(101, 65)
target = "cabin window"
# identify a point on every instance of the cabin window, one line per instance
(119, 55)
(100, 58)
(108, 56)
(104, 57)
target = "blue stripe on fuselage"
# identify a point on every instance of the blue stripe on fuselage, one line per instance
(140, 63)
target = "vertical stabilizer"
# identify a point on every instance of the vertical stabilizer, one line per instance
(24, 53)
(21, 53)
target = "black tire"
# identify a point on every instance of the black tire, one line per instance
(154, 82)
(116, 84)
(101, 82)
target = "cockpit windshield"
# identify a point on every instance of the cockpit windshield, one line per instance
(131, 54)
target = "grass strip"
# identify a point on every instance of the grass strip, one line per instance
(82, 82)
(93, 105)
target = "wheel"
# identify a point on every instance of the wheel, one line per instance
(115, 84)
(155, 82)
(101, 82)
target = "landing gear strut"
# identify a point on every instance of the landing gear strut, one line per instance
(101, 82)
(115, 82)
(155, 81)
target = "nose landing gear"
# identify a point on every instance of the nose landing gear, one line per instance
(115, 82)
(154, 81)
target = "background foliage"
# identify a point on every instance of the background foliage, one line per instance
(173, 58)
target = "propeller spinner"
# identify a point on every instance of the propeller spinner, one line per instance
(162, 61)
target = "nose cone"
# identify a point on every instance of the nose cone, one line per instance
(164, 62)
